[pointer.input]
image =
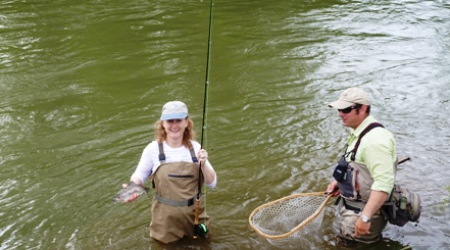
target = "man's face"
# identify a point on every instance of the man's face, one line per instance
(353, 115)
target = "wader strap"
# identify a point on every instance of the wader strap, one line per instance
(390, 196)
(162, 156)
(338, 200)
(365, 131)
(194, 158)
(356, 206)
(390, 207)
(188, 203)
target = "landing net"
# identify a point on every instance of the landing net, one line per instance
(290, 218)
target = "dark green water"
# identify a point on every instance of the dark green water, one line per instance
(82, 83)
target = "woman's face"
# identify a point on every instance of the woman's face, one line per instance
(175, 128)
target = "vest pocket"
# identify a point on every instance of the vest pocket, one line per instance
(350, 184)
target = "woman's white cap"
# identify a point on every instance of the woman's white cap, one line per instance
(174, 110)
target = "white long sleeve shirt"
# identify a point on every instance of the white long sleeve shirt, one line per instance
(150, 159)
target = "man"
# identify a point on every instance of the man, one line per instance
(366, 183)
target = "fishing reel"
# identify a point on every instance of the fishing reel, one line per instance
(200, 230)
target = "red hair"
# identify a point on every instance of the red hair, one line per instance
(188, 135)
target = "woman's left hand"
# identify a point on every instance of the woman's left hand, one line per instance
(202, 156)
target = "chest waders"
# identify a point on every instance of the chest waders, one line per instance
(354, 181)
(178, 186)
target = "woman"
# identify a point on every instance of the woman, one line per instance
(171, 163)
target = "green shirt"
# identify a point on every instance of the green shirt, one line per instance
(376, 151)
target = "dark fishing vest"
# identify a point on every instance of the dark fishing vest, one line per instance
(354, 179)
(177, 185)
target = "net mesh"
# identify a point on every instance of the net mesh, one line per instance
(288, 219)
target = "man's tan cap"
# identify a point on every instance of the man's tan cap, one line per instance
(349, 97)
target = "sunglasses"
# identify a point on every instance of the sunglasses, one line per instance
(349, 109)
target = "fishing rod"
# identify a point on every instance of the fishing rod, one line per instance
(205, 94)
(200, 228)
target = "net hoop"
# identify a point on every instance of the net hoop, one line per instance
(299, 226)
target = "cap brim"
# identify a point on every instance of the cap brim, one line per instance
(173, 116)
(340, 104)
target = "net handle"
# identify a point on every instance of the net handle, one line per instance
(306, 221)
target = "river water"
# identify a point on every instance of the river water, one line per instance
(82, 83)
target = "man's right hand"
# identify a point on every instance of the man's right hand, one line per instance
(333, 189)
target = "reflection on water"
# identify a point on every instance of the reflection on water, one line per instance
(82, 83)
